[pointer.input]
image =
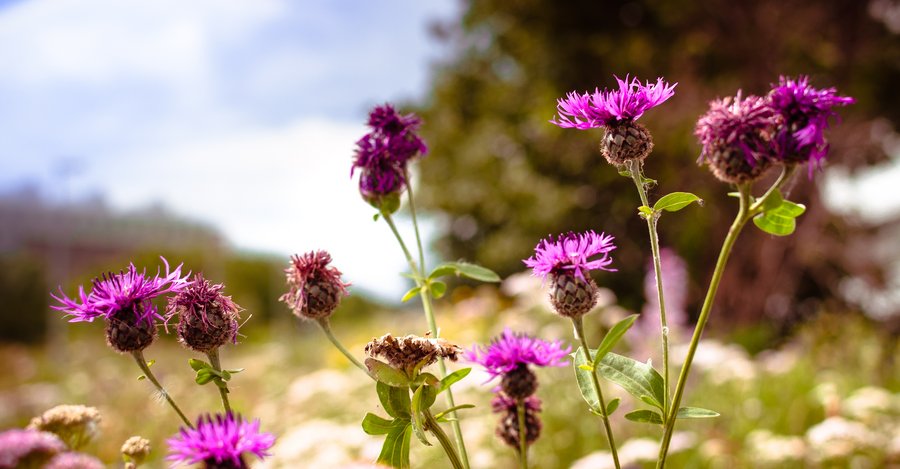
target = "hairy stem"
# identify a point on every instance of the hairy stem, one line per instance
(435, 428)
(425, 294)
(638, 178)
(739, 221)
(142, 364)
(223, 388)
(579, 334)
(326, 328)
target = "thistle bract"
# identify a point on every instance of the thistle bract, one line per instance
(508, 426)
(314, 287)
(736, 134)
(207, 319)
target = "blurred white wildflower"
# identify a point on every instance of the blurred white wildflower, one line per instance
(321, 443)
(636, 451)
(595, 460)
(779, 361)
(871, 405)
(720, 363)
(826, 393)
(766, 449)
(837, 438)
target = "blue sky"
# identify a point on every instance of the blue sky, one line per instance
(241, 114)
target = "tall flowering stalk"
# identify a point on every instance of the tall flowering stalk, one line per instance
(123, 300)
(787, 128)
(382, 157)
(567, 261)
(626, 144)
(510, 358)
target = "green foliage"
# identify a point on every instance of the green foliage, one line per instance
(676, 201)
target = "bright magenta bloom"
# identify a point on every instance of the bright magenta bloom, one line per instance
(572, 252)
(737, 125)
(806, 111)
(382, 154)
(610, 107)
(510, 350)
(220, 440)
(128, 290)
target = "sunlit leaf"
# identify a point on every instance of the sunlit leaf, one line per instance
(676, 201)
(639, 379)
(613, 336)
(385, 373)
(695, 413)
(645, 416)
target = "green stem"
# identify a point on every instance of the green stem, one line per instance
(425, 294)
(739, 221)
(223, 388)
(435, 428)
(637, 177)
(579, 334)
(326, 328)
(142, 364)
(523, 434)
(412, 211)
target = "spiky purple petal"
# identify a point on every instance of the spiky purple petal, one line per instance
(506, 352)
(610, 107)
(572, 251)
(220, 438)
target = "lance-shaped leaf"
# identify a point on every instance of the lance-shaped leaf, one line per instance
(645, 416)
(585, 382)
(384, 373)
(375, 425)
(452, 378)
(395, 451)
(696, 413)
(466, 269)
(676, 201)
(395, 400)
(612, 337)
(639, 379)
(418, 418)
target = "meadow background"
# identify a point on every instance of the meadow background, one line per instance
(220, 135)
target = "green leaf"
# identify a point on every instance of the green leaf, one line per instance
(773, 201)
(639, 379)
(695, 413)
(150, 363)
(645, 211)
(791, 209)
(612, 406)
(204, 377)
(775, 224)
(452, 378)
(418, 419)
(410, 294)
(386, 374)
(625, 173)
(648, 182)
(375, 425)
(376, 216)
(141, 377)
(198, 365)
(437, 288)
(235, 371)
(226, 376)
(645, 416)
(585, 382)
(676, 201)
(442, 270)
(395, 401)
(440, 415)
(466, 269)
(395, 451)
(613, 337)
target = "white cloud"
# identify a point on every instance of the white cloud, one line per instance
(285, 190)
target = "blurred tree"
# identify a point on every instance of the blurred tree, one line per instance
(23, 287)
(504, 177)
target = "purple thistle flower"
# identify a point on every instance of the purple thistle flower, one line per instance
(129, 291)
(736, 137)
(570, 252)
(611, 107)
(806, 111)
(510, 351)
(315, 288)
(18, 447)
(207, 318)
(222, 440)
(382, 154)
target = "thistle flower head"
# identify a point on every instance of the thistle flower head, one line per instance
(511, 350)
(571, 253)
(508, 426)
(220, 441)
(77, 425)
(805, 111)
(736, 135)
(408, 352)
(207, 318)
(609, 108)
(21, 448)
(383, 153)
(314, 287)
(128, 291)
